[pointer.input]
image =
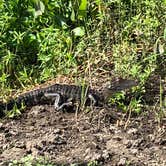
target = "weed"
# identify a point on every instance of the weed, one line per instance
(30, 160)
(15, 112)
(93, 163)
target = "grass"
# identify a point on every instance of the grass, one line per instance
(31, 161)
(91, 41)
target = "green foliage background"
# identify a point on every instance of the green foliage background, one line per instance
(42, 38)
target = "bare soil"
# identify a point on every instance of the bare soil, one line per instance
(97, 135)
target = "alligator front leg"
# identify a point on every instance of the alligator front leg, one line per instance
(57, 101)
(92, 99)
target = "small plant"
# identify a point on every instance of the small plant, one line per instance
(15, 112)
(30, 161)
(133, 105)
(93, 163)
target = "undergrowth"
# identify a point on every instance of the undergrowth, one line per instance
(88, 40)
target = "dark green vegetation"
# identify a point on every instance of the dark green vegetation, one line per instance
(41, 39)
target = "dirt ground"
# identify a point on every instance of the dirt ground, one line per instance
(98, 135)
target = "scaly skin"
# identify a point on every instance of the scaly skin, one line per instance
(37, 96)
(73, 92)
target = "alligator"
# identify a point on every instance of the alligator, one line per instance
(65, 95)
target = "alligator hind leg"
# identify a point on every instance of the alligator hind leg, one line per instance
(57, 101)
(68, 103)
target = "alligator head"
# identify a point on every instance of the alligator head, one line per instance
(117, 86)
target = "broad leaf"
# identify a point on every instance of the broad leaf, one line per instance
(82, 9)
(83, 5)
(79, 31)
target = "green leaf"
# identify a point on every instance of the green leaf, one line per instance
(72, 17)
(79, 31)
(98, 2)
(83, 5)
(82, 9)
(164, 2)
(14, 112)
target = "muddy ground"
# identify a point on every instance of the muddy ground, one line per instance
(105, 136)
